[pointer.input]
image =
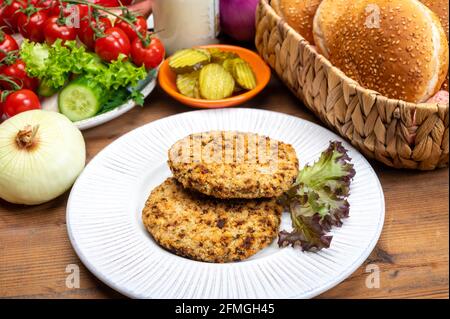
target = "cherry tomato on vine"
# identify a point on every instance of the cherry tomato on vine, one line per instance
(107, 3)
(86, 32)
(5, 27)
(17, 73)
(51, 7)
(20, 101)
(10, 12)
(83, 10)
(56, 29)
(150, 55)
(7, 44)
(139, 23)
(114, 43)
(31, 27)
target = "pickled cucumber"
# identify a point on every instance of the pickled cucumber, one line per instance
(187, 84)
(215, 82)
(228, 65)
(197, 90)
(188, 60)
(243, 74)
(219, 56)
(211, 73)
(205, 51)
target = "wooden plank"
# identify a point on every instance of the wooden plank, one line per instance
(412, 254)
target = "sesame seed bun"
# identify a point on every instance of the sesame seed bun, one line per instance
(324, 22)
(440, 8)
(299, 14)
(403, 54)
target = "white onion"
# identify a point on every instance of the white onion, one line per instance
(41, 155)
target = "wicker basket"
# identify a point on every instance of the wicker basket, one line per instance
(396, 133)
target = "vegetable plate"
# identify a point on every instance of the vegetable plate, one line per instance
(79, 58)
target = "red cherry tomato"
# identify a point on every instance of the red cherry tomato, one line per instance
(114, 42)
(107, 3)
(20, 101)
(86, 32)
(7, 44)
(46, 5)
(54, 29)
(5, 27)
(83, 10)
(51, 7)
(150, 55)
(139, 23)
(10, 13)
(31, 27)
(17, 73)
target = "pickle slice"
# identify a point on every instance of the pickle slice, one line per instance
(215, 82)
(213, 51)
(219, 56)
(205, 52)
(228, 65)
(188, 60)
(187, 84)
(197, 90)
(243, 74)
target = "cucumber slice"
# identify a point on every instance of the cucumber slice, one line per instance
(80, 100)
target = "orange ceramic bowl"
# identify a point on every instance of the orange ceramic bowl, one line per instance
(167, 77)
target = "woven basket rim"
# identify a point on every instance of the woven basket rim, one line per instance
(358, 87)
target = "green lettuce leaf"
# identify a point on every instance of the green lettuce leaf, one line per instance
(35, 56)
(318, 199)
(119, 73)
(55, 63)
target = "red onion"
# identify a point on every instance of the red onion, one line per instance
(237, 18)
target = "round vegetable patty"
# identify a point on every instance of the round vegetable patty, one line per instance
(229, 164)
(203, 228)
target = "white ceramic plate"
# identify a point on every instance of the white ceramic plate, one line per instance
(105, 228)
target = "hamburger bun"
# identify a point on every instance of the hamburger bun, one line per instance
(299, 14)
(324, 22)
(397, 48)
(440, 8)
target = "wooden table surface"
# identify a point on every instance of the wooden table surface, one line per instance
(412, 254)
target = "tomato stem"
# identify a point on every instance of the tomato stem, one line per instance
(10, 57)
(102, 8)
(13, 84)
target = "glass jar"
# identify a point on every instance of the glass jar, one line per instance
(185, 23)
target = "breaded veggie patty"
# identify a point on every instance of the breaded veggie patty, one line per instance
(229, 164)
(203, 228)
